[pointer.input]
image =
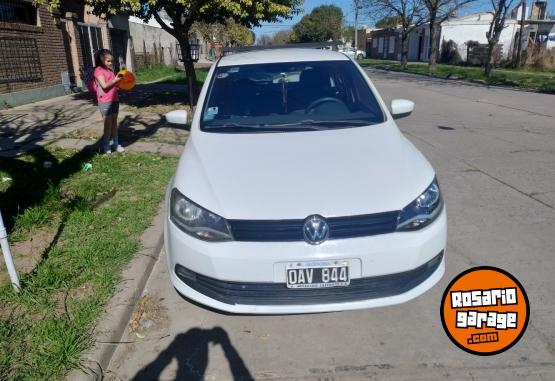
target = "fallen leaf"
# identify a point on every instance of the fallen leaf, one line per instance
(264, 337)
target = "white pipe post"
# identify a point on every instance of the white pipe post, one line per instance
(8, 255)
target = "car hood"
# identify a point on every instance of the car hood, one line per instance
(292, 175)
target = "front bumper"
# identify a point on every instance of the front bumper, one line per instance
(249, 277)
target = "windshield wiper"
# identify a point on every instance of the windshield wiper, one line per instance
(325, 123)
(237, 127)
(307, 125)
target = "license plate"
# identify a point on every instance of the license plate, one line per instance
(317, 274)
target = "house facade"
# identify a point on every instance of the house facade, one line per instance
(384, 44)
(465, 31)
(537, 30)
(33, 60)
(474, 28)
(419, 43)
(364, 38)
(44, 55)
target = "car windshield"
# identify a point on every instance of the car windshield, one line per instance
(289, 96)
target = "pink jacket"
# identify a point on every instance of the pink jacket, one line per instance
(101, 95)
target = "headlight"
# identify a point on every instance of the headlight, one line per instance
(197, 221)
(422, 211)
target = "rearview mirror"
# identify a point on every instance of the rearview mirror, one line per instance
(177, 117)
(401, 108)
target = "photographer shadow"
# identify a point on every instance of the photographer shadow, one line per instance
(190, 349)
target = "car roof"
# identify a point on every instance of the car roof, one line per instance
(281, 55)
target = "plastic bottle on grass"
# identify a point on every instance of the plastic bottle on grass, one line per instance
(86, 167)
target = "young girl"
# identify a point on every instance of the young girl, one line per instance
(108, 100)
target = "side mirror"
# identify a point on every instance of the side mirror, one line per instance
(401, 108)
(177, 117)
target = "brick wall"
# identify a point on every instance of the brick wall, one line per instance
(382, 38)
(51, 50)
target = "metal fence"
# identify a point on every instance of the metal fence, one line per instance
(19, 60)
(18, 12)
(477, 54)
(90, 37)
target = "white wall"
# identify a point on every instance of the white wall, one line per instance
(145, 37)
(464, 32)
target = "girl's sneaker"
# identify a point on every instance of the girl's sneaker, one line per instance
(119, 149)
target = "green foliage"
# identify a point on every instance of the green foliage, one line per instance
(388, 22)
(282, 37)
(185, 12)
(450, 53)
(322, 24)
(238, 35)
(348, 33)
(229, 33)
(36, 216)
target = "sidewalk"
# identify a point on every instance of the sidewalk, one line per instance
(74, 121)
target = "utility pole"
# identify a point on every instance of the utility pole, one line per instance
(521, 34)
(357, 4)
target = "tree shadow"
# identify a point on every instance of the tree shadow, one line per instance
(30, 179)
(190, 349)
(26, 131)
(137, 127)
(22, 129)
(154, 94)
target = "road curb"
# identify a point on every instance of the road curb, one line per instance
(118, 310)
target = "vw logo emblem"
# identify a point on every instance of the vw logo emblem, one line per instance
(315, 229)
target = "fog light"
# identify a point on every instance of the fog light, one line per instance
(184, 273)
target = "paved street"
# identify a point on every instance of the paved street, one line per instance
(494, 153)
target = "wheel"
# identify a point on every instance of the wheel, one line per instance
(360, 56)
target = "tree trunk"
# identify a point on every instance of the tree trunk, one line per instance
(490, 59)
(432, 59)
(189, 69)
(521, 34)
(404, 50)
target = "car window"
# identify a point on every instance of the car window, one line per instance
(289, 96)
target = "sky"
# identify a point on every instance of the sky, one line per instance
(349, 13)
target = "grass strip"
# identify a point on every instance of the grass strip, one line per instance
(168, 74)
(96, 219)
(536, 80)
(148, 74)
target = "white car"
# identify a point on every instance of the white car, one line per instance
(351, 53)
(297, 193)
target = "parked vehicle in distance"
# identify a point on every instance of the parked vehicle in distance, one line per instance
(296, 192)
(352, 53)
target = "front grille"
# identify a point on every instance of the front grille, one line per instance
(278, 293)
(292, 230)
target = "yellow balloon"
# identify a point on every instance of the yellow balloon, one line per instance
(128, 80)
